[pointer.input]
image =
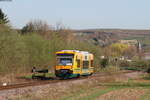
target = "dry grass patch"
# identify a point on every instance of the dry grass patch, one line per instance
(123, 94)
(84, 93)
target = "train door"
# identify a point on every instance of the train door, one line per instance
(78, 60)
(85, 64)
(91, 68)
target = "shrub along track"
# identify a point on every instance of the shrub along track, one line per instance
(44, 82)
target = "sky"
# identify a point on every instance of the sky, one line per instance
(80, 14)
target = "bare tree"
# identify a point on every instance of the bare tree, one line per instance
(38, 26)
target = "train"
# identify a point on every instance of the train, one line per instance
(73, 63)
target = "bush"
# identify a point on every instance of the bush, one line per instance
(124, 63)
(104, 62)
(141, 63)
(110, 69)
(11, 50)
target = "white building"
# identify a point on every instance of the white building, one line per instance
(147, 56)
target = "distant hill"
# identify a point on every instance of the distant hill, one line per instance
(117, 31)
(100, 38)
(104, 37)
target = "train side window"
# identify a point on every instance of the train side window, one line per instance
(85, 64)
(78, 63)
(91, 63)
(85, 57)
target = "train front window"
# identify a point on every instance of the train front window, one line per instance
(65, 59)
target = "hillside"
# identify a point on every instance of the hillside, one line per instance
(105, 37)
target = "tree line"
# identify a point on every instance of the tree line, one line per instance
(35, 45)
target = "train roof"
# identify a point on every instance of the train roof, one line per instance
(73, 51)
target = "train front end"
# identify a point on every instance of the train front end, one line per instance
(65, 63)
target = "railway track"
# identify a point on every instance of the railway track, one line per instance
(27, 84)
(44, 82)
(35, 83)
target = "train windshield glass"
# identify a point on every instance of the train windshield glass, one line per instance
(65, 59)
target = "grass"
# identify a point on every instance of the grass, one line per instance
(77, 93)
(93, 93)
(146, 95)
(89, 93)
(98, 93)
(127, 84)
(146, 77)
(132, 68)
(111, 69)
